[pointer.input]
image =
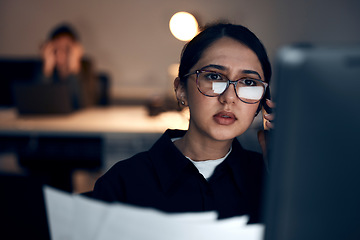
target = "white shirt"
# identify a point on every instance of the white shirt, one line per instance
(207, 167)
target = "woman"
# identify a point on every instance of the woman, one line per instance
(204, 168)
(62, 57)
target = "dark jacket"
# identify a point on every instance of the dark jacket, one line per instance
(164, 179)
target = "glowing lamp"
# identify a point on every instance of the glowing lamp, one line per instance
(183, 26)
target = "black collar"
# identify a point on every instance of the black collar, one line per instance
(170, 163)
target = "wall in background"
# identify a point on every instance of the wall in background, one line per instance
(130, 39)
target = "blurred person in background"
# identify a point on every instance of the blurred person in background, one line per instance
(63, 62)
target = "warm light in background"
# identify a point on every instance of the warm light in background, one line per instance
(183, 26)
(173, 70)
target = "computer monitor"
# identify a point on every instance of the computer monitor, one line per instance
(13, 70)
(313, 191)
(42, 98)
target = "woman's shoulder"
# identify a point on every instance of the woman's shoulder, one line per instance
(130, 170)
(249, 159)
(254, 155)
(138, 161)
(250, 154)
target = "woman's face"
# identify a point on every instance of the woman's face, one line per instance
(62, 46)
(224, 117)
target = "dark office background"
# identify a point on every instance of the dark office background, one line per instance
(130, 39)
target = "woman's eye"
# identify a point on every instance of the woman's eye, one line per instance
(214, 76)
(250, 82)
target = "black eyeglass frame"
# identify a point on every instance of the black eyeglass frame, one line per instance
(197, 72)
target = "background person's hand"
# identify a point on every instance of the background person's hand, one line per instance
(48, 56)
(76, 52)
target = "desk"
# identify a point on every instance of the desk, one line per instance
(86, 138)
(100, 120)
(124, 130)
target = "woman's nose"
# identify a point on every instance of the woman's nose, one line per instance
(229, 96)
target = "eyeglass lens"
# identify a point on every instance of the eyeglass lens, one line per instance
(214, 84)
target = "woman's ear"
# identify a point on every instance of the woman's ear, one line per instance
(180, 92)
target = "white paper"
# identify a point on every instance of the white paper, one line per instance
(88, 215)
(59, 209)
(75, 217)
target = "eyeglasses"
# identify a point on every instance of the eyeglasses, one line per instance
(213, 84)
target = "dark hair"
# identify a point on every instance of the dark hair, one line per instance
(193, 50)
(63, 29)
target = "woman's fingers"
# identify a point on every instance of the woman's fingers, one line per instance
(269, 117)
(269, 120)
(270, 103)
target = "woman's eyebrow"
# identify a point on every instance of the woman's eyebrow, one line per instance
(223, 68)
(252, 72)
(219, 67)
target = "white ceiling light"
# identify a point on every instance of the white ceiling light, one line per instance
(183, 26)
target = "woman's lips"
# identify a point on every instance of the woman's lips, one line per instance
(224, 118)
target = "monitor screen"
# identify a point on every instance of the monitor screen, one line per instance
(313, 191)
(15, 70)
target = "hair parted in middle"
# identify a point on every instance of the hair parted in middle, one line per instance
(194, 49)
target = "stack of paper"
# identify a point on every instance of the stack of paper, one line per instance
(75, 217)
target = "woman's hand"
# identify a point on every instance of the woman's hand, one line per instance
(268, 122)
(268, 118)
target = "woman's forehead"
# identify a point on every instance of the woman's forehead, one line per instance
(231, 55)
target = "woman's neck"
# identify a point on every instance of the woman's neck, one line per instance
(202, 149)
